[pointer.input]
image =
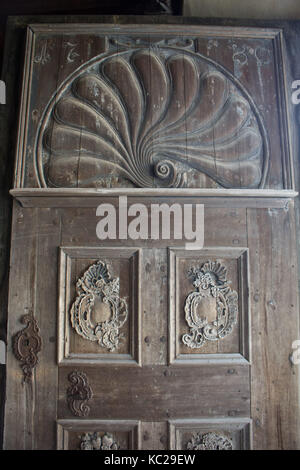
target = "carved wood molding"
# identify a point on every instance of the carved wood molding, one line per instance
(221, 304)
(96, 441)
(209, 441)
(26, 345)
(79, 393)
(96, 283)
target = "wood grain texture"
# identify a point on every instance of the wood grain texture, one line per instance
(127, 434)
(275, 326)
(236, 430)
(125, 263)
(233, 219)
(211, 198)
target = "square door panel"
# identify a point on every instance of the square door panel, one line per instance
(99, 319)
(209, 305)
(214, 434)
(97, 435)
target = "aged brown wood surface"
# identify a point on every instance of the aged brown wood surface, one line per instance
(146, 344)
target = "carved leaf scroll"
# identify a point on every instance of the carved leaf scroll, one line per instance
(209, 441)
(27, 344)
(97, 284)
(96, 441)
(151, 116)
(79, 393)
(216, 302)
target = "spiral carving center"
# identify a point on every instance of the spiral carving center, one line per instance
(162, 170)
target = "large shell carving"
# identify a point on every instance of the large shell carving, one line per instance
(152, 116)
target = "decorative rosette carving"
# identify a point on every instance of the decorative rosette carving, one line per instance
(26, 344)
(213, 294)
(209, 441)
(96, 284)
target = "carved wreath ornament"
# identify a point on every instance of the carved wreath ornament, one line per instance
(97, 285)
(209, 441)
(210, 311)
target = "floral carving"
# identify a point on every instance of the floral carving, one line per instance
(212, 289)
(79, 393)
(96, 441)
(209, 441)
(96, 284)
(27, 344)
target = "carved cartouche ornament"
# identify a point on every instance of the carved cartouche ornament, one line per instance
(26, 345)
(97, 286)
(211, 310)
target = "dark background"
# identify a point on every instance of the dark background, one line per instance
(84, 7)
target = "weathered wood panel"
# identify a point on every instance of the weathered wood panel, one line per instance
(34, 242)
(154, 306)
(275, 325)
(211, 198)
(154, 435)
(222, 390)
(119, 341)
(227, 433)
(98, 435)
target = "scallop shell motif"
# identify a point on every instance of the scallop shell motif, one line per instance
(152, 116)
(94, 279)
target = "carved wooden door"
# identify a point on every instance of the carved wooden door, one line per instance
(141, 342)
